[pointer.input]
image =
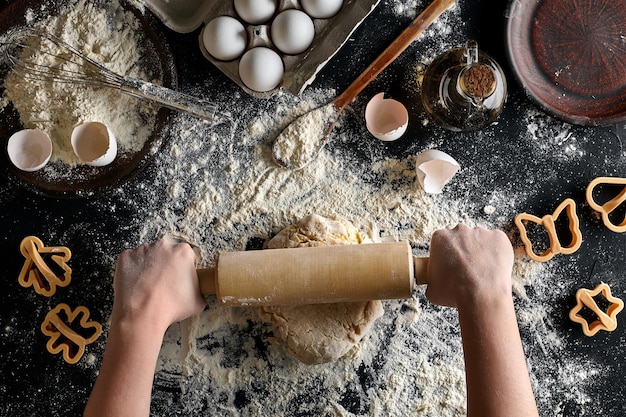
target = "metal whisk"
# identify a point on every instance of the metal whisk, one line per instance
(68, 65)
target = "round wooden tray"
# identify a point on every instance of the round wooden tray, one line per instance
(570, 57)
(84, 180)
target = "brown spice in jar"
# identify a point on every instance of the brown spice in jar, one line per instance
(479, 81)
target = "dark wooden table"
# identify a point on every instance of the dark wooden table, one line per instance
(98, 227)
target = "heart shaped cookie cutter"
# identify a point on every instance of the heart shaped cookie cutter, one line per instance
(548, 222)
(606, 321)
(608, 207)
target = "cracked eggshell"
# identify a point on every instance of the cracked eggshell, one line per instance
(435, 169)
(94, 144)
(385, 118)
(29, 149)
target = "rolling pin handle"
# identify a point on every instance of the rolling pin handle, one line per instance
(420, 265)
(206, 277)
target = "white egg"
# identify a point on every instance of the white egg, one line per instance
(292, 31)
(321, 9)
(225, 38)
(261, 69)
(255, 11)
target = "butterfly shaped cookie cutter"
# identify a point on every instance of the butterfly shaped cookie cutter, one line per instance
(37, 273)
(608, 207)
(606, 321)
(548, 222)
(59, 325)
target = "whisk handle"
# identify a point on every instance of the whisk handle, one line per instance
(173, 99)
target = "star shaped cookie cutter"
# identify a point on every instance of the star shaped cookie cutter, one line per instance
(37, 273)
(60, 324)
(548, 222)
(608, 207)
(606, 321)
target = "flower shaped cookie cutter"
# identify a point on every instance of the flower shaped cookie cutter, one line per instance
(606, 321)
(37, 273)
(60, 324)
(548, 222)
(608, 207)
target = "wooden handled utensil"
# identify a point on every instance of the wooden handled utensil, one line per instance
(314, 275)
(294, 148)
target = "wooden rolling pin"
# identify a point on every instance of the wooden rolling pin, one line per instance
(314, 275)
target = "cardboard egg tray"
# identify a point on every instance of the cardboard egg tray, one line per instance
(185, 16)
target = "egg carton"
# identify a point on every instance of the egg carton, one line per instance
(185, 16)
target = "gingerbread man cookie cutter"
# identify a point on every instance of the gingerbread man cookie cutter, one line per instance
(37, 273)
(60, 324)
(548, 222)
(606, 321)
(608, 207)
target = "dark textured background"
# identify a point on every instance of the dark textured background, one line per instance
(27, 370)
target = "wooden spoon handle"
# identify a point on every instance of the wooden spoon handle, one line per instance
(421, 22)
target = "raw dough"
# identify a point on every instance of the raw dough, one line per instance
(321, 333)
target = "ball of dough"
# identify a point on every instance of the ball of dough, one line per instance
(321, 333)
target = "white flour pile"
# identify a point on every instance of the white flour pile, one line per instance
(302, 139)
(56, 108)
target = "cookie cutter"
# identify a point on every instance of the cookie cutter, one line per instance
(606, 321)
(37, 273)
(548, 222)
(607, 208)
(58, 325)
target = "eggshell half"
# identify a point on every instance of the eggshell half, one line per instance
(435, 169)
(385, 118)
(94, 144)
(29, 149)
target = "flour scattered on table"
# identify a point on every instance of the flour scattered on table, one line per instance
(553, 137)
(411, 363)
(223, 363)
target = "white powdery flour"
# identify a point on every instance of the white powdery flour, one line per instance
(412, 361)
(224, 192)
(56, 108)
(224, 361)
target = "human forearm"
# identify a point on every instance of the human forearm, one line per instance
(155, 285)
(497, 377)
(470, 269)
(124, 385)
